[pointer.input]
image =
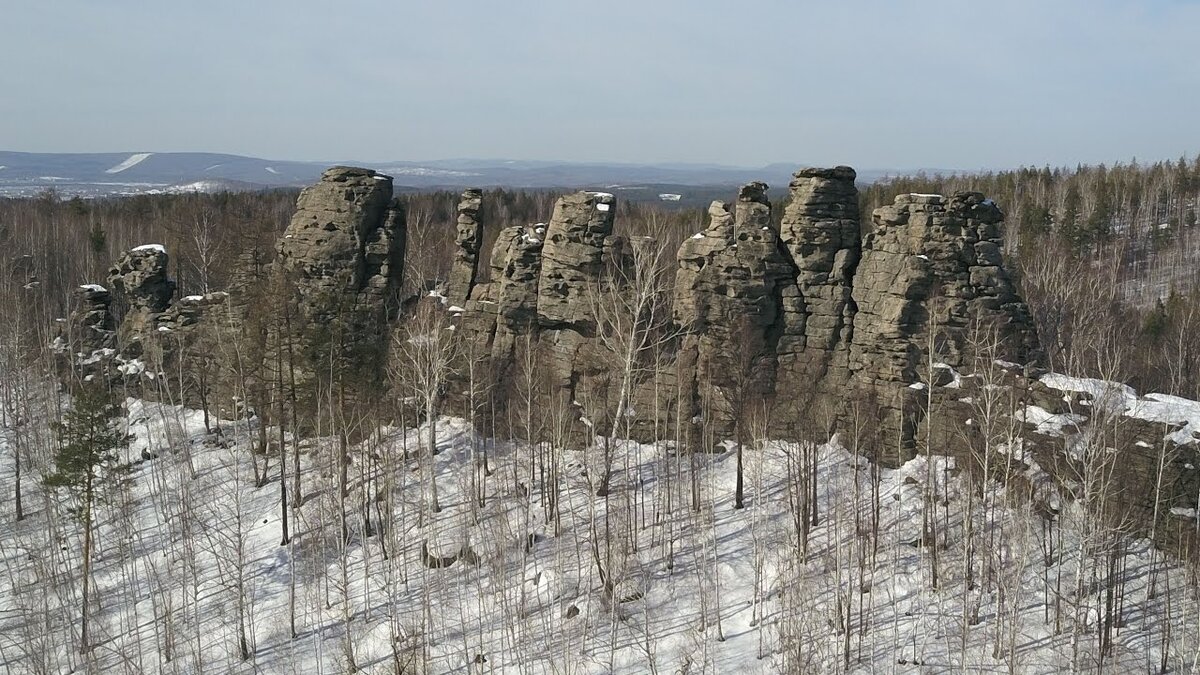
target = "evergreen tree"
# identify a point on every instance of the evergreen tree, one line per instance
(88, 466)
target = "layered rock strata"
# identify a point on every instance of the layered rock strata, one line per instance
(821, 232)
(468, 237)
(931, 275)
(143, 289)
(341, 261)
(729, 288)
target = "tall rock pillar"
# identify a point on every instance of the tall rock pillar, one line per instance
(468, 238)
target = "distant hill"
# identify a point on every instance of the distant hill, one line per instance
(100, 174)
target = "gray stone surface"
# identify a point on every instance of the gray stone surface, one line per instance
(140, 283)
(468, 237)
(820, 230)
(931, 269)
(90, 326)
(729, 288)
(342, 259)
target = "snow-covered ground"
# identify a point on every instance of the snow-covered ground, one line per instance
(694, 585)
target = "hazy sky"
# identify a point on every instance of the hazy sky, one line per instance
(948, 84)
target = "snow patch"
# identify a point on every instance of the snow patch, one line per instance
(130, 162)
(1111, 396)
(132, 367)
(1047, 422)
(1172, 410)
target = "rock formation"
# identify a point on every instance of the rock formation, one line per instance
(820, 230)
(573, 260)
(809, 319)
(468, 238)
(933, 265)
(90, 327)
(341, 259)
(190, 311)
(143, 289)
(728, 291)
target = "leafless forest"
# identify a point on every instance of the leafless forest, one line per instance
(1104, 256)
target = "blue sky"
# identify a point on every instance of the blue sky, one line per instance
(875, 84)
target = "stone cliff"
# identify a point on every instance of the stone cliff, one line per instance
(342, 255)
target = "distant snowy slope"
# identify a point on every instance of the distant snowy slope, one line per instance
(131, 161)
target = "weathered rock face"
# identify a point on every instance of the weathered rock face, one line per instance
(820, 230)
(468, 238)
(931, 274)
(152, 336)
(343, 256)
(191, 311)
(826, 318)
(140, 281)
(805, 318)
(140, 278)
(540, 301)
(729, 288)
(90, 327)
(346, 238)
(85, 344)
(573, 259)
(572, 271)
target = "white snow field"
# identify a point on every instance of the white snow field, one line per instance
(129, 162)
(191, 551)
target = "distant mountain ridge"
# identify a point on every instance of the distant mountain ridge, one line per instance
(100, 174)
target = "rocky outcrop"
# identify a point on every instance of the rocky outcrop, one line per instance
(573, 259)
(931, 276)
(144, 290)
(728, 291)
(151, 335)
(191, 311)
(468, 237)
(805, 318)
(90, 327)
(810, 320)
(85, 345)
(572, 271)
(817, 319)
(820, 230)
(140, 279)
(516, 281)
(341, 260)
